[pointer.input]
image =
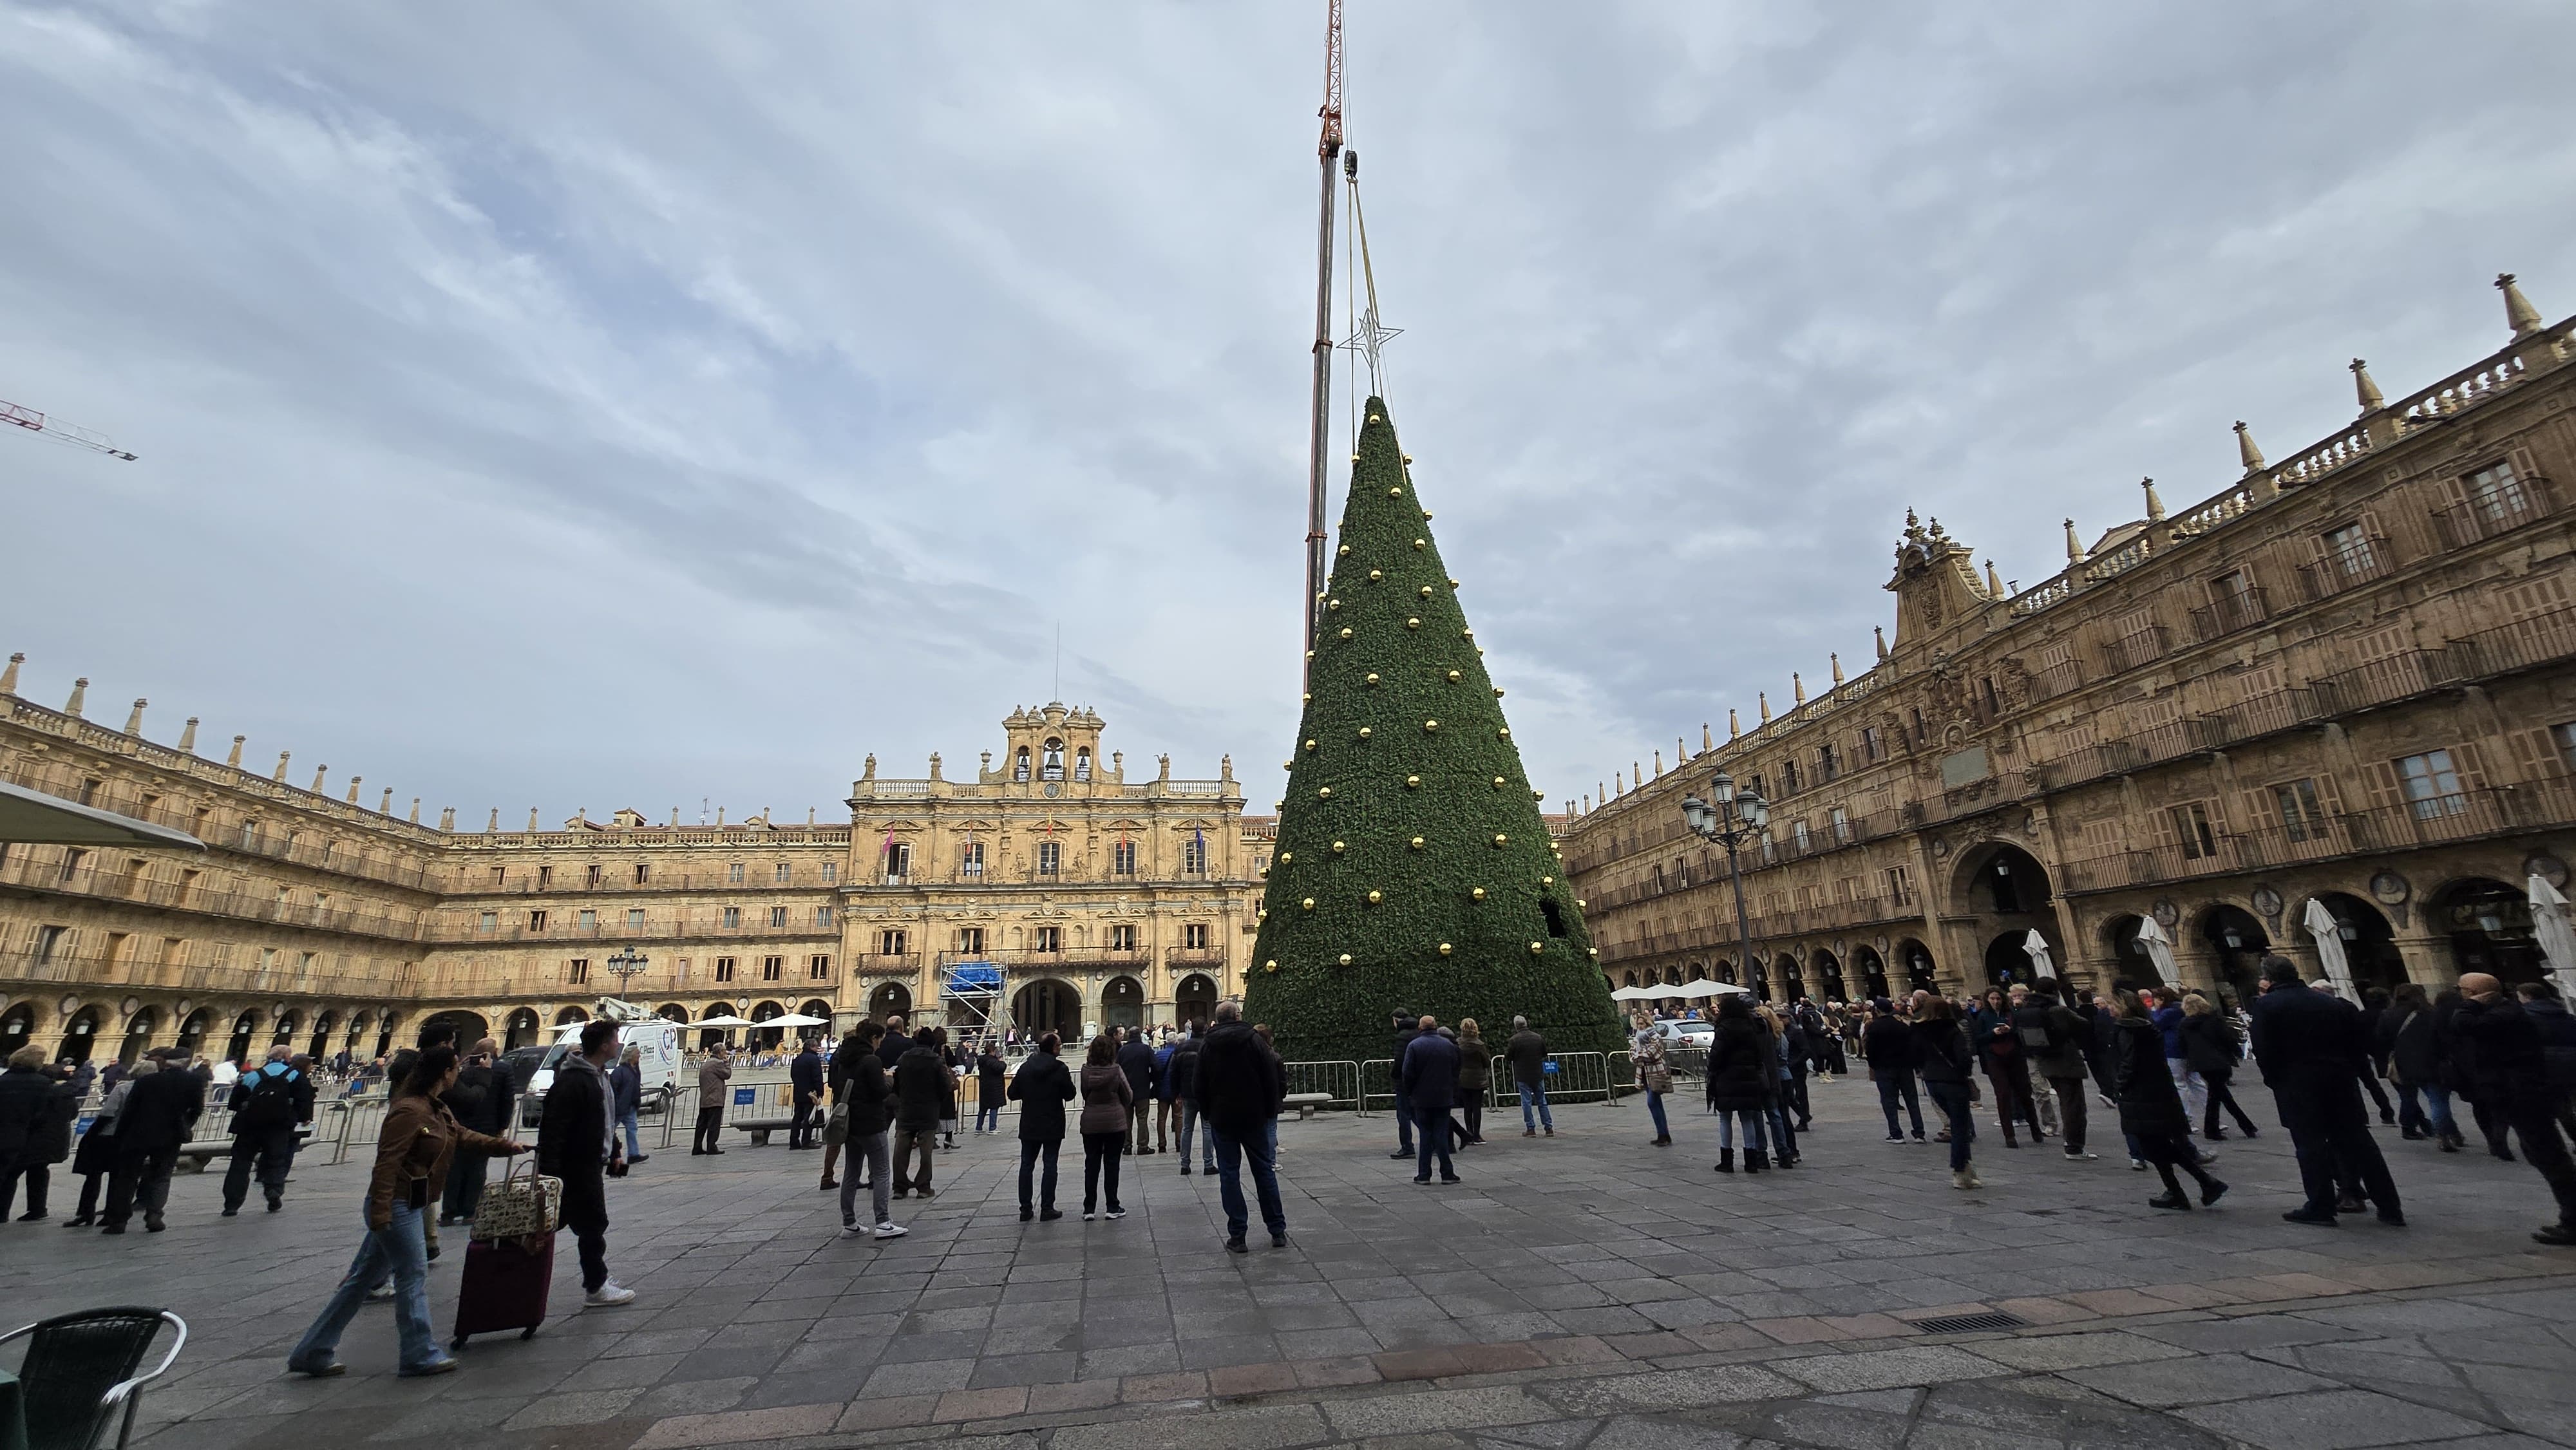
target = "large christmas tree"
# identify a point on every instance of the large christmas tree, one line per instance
(1413, 871)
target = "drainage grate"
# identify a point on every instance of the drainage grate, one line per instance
(1962, 1323)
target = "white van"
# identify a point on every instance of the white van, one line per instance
(657, 1044)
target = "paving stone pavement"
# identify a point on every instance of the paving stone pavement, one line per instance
(1582, 1290)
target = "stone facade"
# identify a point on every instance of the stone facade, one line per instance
(326, 923)
(2348, 679)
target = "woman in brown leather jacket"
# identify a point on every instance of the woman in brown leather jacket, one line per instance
(420, 1136)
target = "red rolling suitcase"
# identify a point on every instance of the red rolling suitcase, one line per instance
(504, 1287)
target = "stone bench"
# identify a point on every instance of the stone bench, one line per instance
(195, 1156)
(1306, 1103)
(759, 1129)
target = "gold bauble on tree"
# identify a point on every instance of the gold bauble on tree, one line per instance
(1444, 949)
(1376, 898)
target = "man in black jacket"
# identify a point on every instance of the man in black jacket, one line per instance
(1404, 1035)
(1240, 1087)
(159, 1111)
(2557, 1047)
(29, 1095)
(577, 1142)
(922, 1091)
(2513, 1078)
(860, 1079)
(482, 1099)
(2052, 1037)
(1136, 1059)
(805, 1084)
(1527, 1053)
(2312, 1052)
(1041, 1087)
(1888, 1047)
(267, 1105)
(1427, 1075)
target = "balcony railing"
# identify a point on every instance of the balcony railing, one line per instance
(2438, 820)
(23, 869)
(2500, 511)
(1177, 957)
(2346, 569)
(2229, 613)
(2137, 648)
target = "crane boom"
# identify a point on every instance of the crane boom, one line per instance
(1321, 438)
(56, 430)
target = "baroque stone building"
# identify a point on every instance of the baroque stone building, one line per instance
(1049, 890)
(2346, 681)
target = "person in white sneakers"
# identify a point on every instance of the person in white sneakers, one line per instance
(577, 1142)
(864, 1092)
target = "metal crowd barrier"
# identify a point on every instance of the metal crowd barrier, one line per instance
(683, 1108)
(1377, 1083)
(1339, 1081)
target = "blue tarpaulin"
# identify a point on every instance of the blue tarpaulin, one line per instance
(973, 979)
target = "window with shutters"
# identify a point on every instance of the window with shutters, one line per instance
(2430, 783)
(1873, 743)
(777, 916)
(634, 918)
(592, 878)
(972, 860)
(1194, 855)
(536, 921)
(818, 967)
(1788, 777)
(780, 874)
(1194, 936)
(2496, 493)
(970, 940)
(1897, 884)
(587, 919)
(2539, 594)
(1798, 833)
(732, 917)
(1122, 938)
(2136, 638)
(2349, 554)
(2191, 827)
(822, 916)
(724, 969)
(643, 874)
(545, 878)
(2101, 838)
(733, 873)
(2563, 736)
(772, 968)
(1841, 820)
(831, 872)
(1049, 939)
(1050, 858)
(898, 862)
(1124, 859)
(2055, 672)
(2301, 811)
(891, 942)
(577, 971)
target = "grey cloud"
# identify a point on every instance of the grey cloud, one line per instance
(588, 402)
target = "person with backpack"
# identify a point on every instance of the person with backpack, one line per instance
(2052, 1039)
(1944, 1057)
(268, 1104)
(2212, 1047)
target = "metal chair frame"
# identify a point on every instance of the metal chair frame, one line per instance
(127, 1393)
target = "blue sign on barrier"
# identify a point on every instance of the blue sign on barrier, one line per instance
(742, 1097)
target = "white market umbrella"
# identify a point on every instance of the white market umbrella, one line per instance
(1708, 989)
(2557, 938)
(2328, 933)
(2151, 935)
(2037, 946)
(1633, 994)
(795, 1019)
(719, 1023)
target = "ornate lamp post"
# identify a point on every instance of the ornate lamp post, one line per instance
(1738, 817)
(625, 965)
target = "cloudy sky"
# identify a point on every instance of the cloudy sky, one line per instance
(591, 404)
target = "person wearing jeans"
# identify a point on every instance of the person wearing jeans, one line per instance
(1180, 1077)
(627, 1080)
(1646, 1050)
(1041, 1087)
(1240, 1086)
(1887, 1045)
(412, 1151)
(1527, 1053)
(863, 1103)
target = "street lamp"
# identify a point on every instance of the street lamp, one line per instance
(625, 964)
(1738, 816)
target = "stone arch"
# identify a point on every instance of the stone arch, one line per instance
(571, 1014)
(2236, 941)
(471, 1026)
(521, 1029)
(711, 1037)
(2488, 924)
(672, 1012)
(766, 1039)
(1828, 971)
(17, 1027)
(2369, 942)
(889, 999)
(289, 1023)
(1122, 1002)
(138, 1034)
(323, 1026)
(1999, 878)
(1918, 967)
(192, 1031)
(1793, 978)
(1194, 999)
(1869, 970)
(2132, 966)
(245, 1028)
(1047, 1005)
(80, 1034)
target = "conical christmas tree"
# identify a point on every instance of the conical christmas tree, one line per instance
(1413, 870)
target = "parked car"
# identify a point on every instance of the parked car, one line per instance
(1687, 1034)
